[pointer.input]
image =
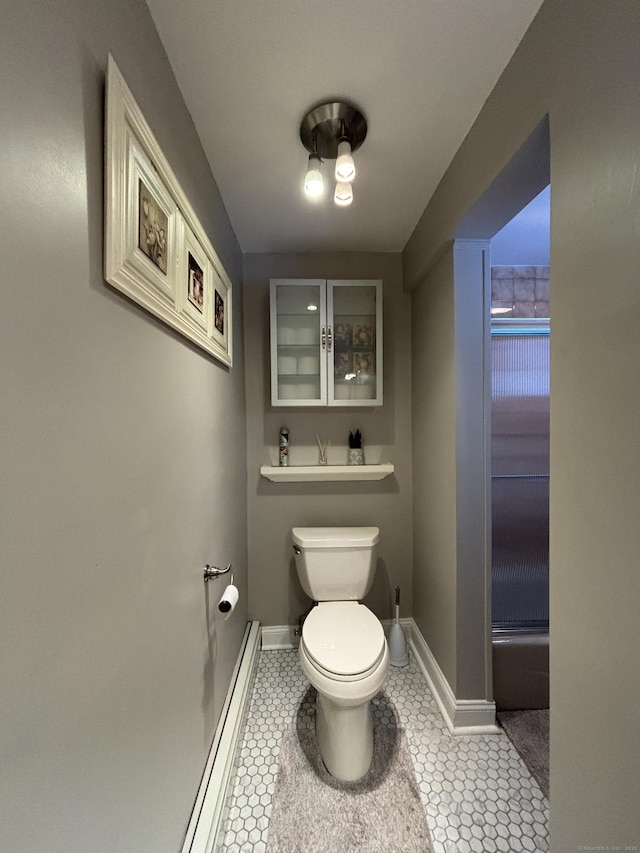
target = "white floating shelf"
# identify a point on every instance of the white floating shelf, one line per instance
(320, 473)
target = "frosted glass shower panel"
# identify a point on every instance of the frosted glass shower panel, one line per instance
(520, 479)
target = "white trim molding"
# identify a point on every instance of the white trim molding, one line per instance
(279, 637)
(207, 811)
(284, 636)
(155, 248)
(462, 716)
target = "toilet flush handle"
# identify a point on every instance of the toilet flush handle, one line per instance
(297, 550)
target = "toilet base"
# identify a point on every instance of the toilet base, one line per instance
(345, 738)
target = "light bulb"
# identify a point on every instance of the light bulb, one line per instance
(313, 183)
(343, 195)
(345, 167)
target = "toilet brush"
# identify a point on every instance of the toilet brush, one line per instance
(397, 642)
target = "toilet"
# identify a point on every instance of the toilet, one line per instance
(343, 649)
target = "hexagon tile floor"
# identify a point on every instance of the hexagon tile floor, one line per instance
(478, 795)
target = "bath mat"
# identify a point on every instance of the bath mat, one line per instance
(528, 731)
(314, 813)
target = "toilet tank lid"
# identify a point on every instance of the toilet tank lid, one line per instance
(335, 537)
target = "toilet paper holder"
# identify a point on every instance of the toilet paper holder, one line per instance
(212, 572)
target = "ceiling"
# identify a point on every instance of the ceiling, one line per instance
(419, 70)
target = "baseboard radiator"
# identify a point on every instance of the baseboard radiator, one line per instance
(206, 816)
(462, 716)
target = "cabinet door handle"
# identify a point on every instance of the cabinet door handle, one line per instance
(323, 339)
(329, 338)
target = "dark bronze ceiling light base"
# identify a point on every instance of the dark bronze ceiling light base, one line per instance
(325, 125)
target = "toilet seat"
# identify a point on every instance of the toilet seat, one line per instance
(344, 640)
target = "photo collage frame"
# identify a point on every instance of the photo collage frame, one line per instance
(156, 251)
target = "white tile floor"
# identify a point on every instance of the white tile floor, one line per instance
(478, 795)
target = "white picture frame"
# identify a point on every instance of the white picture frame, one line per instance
(194, 275)
(156, 251)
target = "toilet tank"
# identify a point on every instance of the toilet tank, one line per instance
(336, 563)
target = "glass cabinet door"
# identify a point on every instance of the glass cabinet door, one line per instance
(354, 343)
(298, 331)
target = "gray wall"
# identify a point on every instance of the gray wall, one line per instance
(524, 241)
(276, 597)
(580, 63)
(451, 513)
(434, 464)
(122, 459)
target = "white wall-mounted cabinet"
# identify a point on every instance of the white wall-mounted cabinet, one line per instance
(326, 342)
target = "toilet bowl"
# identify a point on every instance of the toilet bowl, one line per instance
(347, 671)
(343, 649)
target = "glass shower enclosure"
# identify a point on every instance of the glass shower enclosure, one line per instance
(520, 475)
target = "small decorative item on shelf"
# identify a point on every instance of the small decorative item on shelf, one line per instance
(322, 450)
(356, 452)
(284, 447)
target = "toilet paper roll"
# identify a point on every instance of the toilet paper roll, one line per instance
(364, 392)
(228, 601)
(309, 364)
(307, 392)
(287, 391)
(306, 336)
(287, 364)
(342, 392)
(286, 335)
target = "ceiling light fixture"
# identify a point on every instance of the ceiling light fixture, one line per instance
(345, 167)
(313, 182)
(332, 131)
(343, 194)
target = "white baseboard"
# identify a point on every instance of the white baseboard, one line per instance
(279, 637)
(207, 811)
(407, 626)
(284, 637)
(462, 716)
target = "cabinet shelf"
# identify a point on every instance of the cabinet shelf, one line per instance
(357, 317)
(326, 473)
(354, 348)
